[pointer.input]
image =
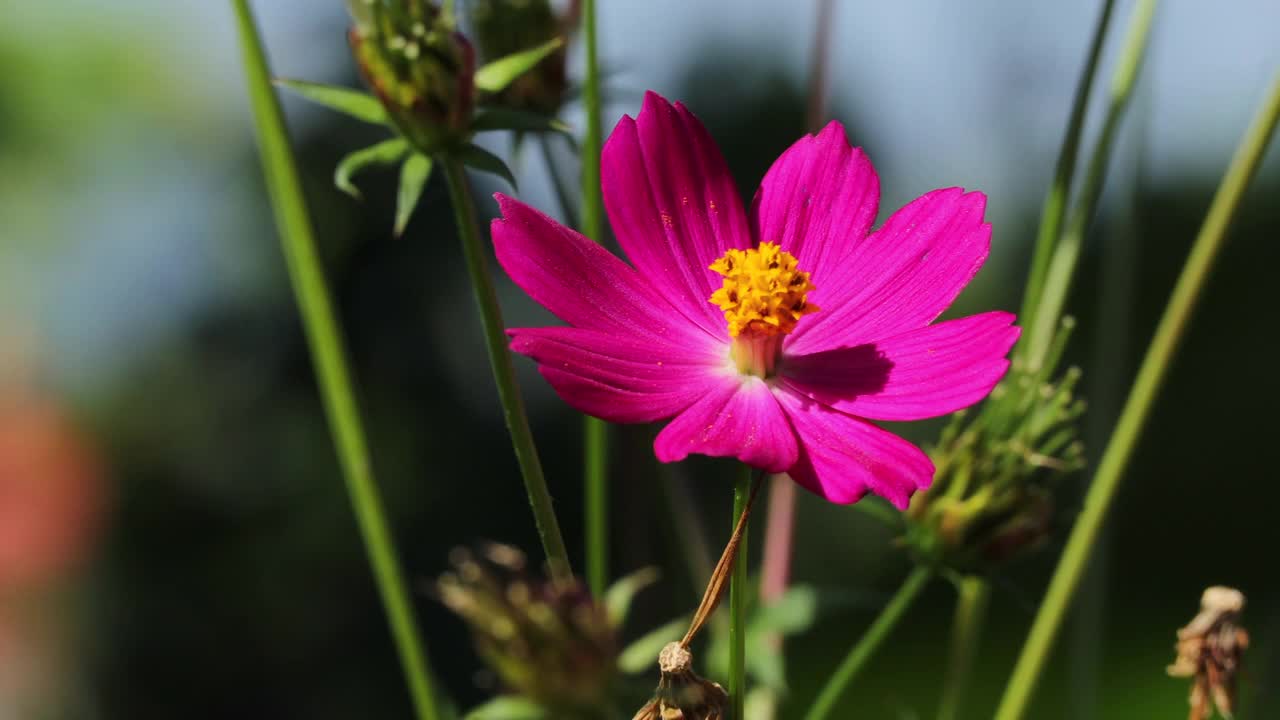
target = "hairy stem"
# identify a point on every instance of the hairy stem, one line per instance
(544, 514)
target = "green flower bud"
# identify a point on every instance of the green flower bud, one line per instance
(990, 501)
(506, 27)
(548, 641)
(420, 68)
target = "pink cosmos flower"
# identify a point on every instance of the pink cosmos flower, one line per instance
(774, 335)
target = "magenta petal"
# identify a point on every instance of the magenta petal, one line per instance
(673, 204)
(618, 378)
(739, 418)
(843, 457)
(818, 201)
(902, 277)
(581, 282)
(918, 374)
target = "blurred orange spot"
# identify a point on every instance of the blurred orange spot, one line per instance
(50, 492)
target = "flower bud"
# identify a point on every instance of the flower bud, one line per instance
(505, 27)
(548, 641)
(990, 500)
(419, 66)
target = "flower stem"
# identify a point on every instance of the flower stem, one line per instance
(1055, 203)
(324, 337)
(869, 643)
(738, 602)
(544, 514)
(966, 629)
(595, 433)
(1066, 254)
(1128, 430)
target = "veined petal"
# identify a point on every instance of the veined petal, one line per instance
(673, 204)
(583, 283)
(618, 377)
(843, 457)
(739, 418)
(818, 201)
(918, 374)
(903, 276)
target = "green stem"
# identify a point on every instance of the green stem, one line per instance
(324, 338)
(595, 435)
(1138, 405)
(1066, 255)
(869, 643)
(544, 514)
(966, 629)
(1055, 202)
(738, 602)
(595, 461)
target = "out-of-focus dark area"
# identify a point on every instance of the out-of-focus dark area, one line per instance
(174, 533)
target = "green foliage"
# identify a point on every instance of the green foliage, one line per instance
(356, 104)
(387, 152)
(413, 178)
(642, 654)
(500, 73)
(499, 118)
(477, 158)
(617, 599)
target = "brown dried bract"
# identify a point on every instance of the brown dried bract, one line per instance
(1209, 651)
(682, 694)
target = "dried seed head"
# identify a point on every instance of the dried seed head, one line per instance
(1210, 649)
(681, 693)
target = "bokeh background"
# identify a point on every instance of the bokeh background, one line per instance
(174, 534)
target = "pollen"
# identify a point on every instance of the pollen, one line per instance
(763, 292)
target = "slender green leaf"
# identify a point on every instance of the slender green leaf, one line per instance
(387, 152)
(413, 178)
(509, 707)
(325, 340)
(617, 599)
(495, 76)
(642, 655)
(498, 118)
(477, 158)
(359, 105)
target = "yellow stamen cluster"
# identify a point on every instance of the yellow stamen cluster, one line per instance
(763, 292)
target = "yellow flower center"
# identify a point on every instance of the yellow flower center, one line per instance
(763, 297)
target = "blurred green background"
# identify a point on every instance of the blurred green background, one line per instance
(174, 534)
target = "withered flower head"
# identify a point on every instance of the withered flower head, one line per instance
(681, 693)
(549, 641)
(1209, 651)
